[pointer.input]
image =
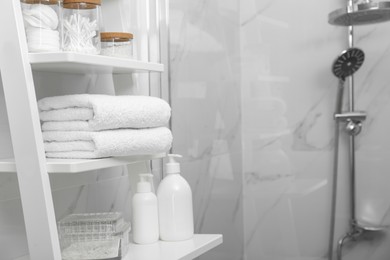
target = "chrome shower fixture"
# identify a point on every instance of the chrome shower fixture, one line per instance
(364, 13)
(347, 63)
(353, 121)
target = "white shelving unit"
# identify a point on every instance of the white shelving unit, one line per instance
(30, 163)
(183, 250)
(67, 62)
(80, 165)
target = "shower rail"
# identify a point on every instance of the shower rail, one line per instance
(354, 13)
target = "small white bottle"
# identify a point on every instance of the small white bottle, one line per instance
(175, 204)
(145, 225)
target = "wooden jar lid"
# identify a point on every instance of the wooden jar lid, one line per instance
(116, 36)
(45, 2)
(95, 2)
(85, 4)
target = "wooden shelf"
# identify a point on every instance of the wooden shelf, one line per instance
(69, 62)
(80, 165)
(183, 250)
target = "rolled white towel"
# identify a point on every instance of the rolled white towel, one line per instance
(121, 142)
(104, 112)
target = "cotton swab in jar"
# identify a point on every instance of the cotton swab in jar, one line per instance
(79, 34)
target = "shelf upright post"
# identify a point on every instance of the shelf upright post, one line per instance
(154, 46)
(142, 44)
(158, 40)
(23, 117)
(163, 10)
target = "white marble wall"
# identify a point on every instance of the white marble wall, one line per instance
(205, 90)
(253, 98)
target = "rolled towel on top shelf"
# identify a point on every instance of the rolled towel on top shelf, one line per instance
(102, 112)
(120, 142)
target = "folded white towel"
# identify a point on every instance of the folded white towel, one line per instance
(67, 114)
(121, 142)
(69, 146)
(66, 126)
(104, 112)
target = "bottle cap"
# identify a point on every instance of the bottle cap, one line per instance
(172, 165)
(144, 185)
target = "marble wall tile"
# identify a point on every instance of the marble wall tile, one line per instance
(286, 105)
(205, 96)
(298, 49)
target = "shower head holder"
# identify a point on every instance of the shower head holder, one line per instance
(353, 120)
(357, 116)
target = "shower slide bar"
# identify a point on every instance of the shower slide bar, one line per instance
(356, 13)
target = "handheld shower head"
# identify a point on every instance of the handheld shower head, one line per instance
(347, 63)
(361, 14)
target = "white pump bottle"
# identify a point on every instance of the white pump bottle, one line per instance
(145, 213)
(175, 204)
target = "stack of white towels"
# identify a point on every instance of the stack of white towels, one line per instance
(87, 126)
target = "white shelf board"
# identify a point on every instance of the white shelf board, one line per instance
(81, 165)
(183, 250)
(77, 63)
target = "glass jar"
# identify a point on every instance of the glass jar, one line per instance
(117, 44)
(81, 26)
(41, 22)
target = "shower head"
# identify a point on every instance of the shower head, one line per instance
(348, 63)
(361, 14)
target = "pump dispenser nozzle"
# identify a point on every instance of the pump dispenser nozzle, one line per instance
(172, 165)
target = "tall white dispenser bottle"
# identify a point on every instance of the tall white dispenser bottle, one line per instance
(145, 213)
(175, 204)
